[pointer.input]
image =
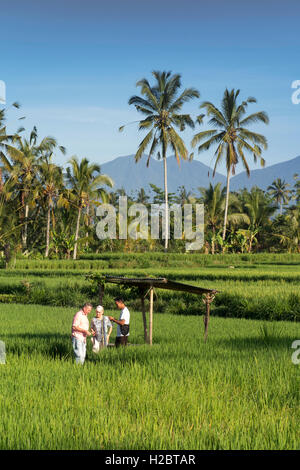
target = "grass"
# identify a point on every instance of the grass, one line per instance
(258, 293)
(240, 390)
(150, 260)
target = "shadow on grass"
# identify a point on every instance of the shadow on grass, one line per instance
(54, 345)
(254, 342)
(59, 346)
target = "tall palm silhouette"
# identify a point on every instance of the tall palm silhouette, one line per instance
(161, 105)
(231, 136)
(280, 192)
(214, 198)
(23, 165)
(85, 188)
(7, 142)
(51, 182)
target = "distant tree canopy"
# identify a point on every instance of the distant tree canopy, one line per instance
(48, 210)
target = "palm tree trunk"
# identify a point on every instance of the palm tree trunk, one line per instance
(226, 204)
(48, 232)
(7, 254)
(87, 225)
(76, 234)
(213, 241)
(1, 181)
(24, 236)
(166, 204)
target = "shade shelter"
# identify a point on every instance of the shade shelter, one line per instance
(146, 287)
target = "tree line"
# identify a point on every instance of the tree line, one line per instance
(48, 210)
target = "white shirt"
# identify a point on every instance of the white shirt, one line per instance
(124, 315)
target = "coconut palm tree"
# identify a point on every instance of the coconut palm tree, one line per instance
(280, 192)
(286, 228)
(259, 208)
(214, 200)
(184, 196)
(161, 105)
(142, 197)
(23, 167)
(51, 182)
(10, 225)
(296, 188)
(85, 188)
(6, 141)
(231, 136)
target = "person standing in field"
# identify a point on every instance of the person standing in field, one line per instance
(122, 323)
(101, 329)
(80, 330)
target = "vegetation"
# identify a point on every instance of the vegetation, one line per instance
(231, 136)
(161, 105)
(260, 286)
(47, 211)
(238, 391)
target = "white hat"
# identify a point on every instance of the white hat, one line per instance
(99, 308)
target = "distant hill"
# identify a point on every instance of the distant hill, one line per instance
(264, 177)
(132, 176)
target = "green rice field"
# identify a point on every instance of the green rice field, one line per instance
(239, 390)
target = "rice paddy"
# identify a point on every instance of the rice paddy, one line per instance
(239, 390)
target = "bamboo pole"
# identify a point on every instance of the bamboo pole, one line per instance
(151, 316)
(144, 318)
(206, 318)
(208, 299)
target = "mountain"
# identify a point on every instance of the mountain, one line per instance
(132, 176)
(264, 177)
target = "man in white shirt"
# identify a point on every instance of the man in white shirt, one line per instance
(122, 323)
(80, 330)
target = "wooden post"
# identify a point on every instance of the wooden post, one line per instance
(151, 316)
(144, 317)
(208, 299)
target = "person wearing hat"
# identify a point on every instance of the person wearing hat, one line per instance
(101, 328)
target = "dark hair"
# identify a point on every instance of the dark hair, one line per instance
(119, 299)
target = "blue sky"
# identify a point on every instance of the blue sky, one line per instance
(73, 66)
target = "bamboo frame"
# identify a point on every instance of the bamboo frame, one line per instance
(161, 283)
(151, 317)
(208, 299)
(146, 338)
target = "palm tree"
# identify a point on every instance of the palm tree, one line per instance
(85, 181)
(51, 180)
(279, 192)
(231, 136)
(142, 197)
(259, 209)
(24, 167)
(214, 200)
(184, 196)
(287, 229)
(161, 105)
(10, 225)
(6, 140)
(296, 188)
